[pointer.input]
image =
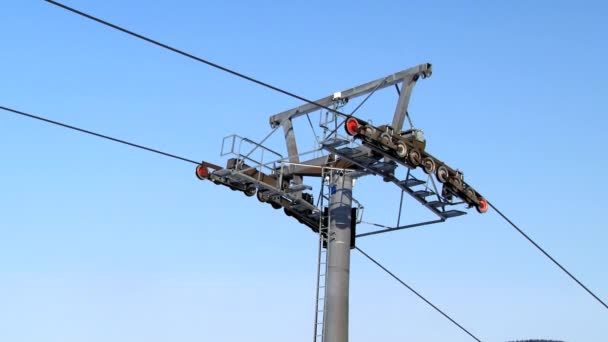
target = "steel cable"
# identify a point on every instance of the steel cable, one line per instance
(103, 136)
(548, 255)
(196, 58)
(417, 294)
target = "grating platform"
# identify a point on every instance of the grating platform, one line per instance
(382, 164)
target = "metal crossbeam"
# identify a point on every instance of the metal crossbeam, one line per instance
(363, 89)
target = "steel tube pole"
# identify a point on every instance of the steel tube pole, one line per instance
(335, 327)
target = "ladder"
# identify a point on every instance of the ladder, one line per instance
(321, 264)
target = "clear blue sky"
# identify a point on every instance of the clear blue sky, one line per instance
(101, 242)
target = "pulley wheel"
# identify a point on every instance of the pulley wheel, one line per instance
(261, 197)
(470, 194)
(414, 157)
(202, 172)
(385, 140)
(368, 132)
(250, 190)
(442, 174)
(351, 126)
(429, 165)
(401, 150)
(483, 205)
(457, 182)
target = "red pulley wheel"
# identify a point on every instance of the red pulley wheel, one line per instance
(352, 126)
(483, 206)
(202, 172)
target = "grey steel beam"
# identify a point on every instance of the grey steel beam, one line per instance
(290, 139)
(292, 149)
(311, 167)
(363, 89)
(402, 104)
(338, 259)
(400, 228)
(315, 171)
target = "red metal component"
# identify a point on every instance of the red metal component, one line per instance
(202, 172)
(483, 206)
(352, 126)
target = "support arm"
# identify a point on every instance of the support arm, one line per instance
(292, 147)
(423, 70)
(402, 104)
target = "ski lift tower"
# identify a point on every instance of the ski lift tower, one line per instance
(335, 313)
(352, 149)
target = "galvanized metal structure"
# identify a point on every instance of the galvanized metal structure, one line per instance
(279, 180)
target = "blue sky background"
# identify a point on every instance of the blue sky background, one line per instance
(102, 242)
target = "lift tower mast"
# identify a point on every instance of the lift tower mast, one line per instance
(338, 258)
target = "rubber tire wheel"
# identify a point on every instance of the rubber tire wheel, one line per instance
(384, 140)
(275, 205)
(470, 193)
(260, 196)
(250, 190)
(414, 157)
(429, 166)
(442, 174)
(401, 150)
(471, 198)
(457, 183)
(368, 132)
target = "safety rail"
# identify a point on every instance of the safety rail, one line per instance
(235, 145)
